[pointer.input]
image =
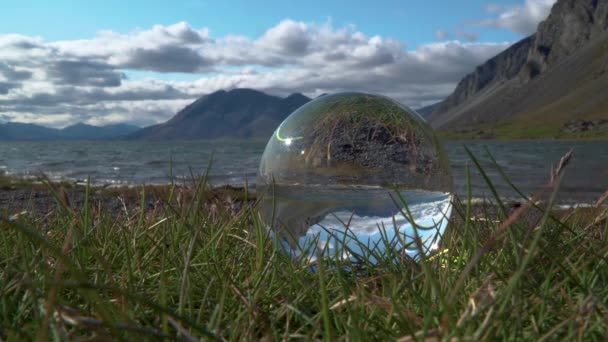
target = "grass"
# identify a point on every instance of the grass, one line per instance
(544, 123)
(198, 271)
(355, 110)
(517, 129)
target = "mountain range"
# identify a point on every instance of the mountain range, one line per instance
(553, 83)
(234, 114)
(12, 131)
(238, 113)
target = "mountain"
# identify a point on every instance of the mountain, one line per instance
(238, 113)
(81, 130)
(22, 131)
(427, 110)
(13, 131)
(547, 84)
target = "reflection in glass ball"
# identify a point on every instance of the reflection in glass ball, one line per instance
(355, 175)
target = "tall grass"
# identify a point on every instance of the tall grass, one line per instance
(196, 269)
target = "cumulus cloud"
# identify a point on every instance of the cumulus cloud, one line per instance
(166, 58)
(173, 48)
(21, 42)
(15, 48)
(13, 74)
(84, 73)
(5, 87)
(85, 80)
(88, 96)
(521, 19)
(288, 37)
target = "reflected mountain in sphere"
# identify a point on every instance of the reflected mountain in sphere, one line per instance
(353, 175)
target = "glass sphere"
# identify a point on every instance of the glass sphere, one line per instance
(356, 176)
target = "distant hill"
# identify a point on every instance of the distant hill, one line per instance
(238, 113)
(13, 131)
(427, 110)
(22, 131)
(81, 130)
(553, 83)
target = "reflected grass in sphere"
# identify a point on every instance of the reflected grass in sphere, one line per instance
(353, 175)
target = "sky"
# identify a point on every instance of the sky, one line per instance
(139, 62)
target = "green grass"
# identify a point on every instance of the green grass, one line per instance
(354, 110)
(196, 270)
(515, 129)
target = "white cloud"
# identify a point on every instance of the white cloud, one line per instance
(288, 37)
(521, 19)
(85, 80)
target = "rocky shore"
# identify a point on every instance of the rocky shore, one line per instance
(38, 200)
(580, 125)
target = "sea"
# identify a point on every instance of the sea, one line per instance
(527, 164)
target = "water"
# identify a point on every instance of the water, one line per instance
(132, 162)
(527, 163)
(355, 222)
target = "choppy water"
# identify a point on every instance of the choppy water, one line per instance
(132, 162)
(527, 163)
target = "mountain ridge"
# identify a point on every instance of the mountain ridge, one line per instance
(237, 113)
(17, 131)
(539, 85)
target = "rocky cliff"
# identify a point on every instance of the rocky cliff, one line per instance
(552, 77)
(503, 67)
(569, 27)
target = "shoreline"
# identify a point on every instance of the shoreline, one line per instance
(11, 182)
(526, 164)
(19, 196)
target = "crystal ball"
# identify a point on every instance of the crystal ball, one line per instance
(355, 176)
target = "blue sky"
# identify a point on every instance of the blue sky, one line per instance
(140, 61)
(414, 22)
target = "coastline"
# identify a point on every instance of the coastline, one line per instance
(37, 199)
(26, 197)
(522, 131)
(526, 163)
